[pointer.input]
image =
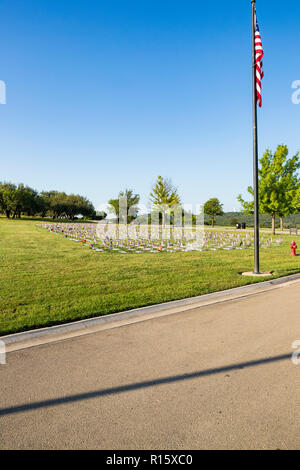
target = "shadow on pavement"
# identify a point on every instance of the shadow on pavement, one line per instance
(139, 385)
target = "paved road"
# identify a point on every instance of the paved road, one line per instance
(216, 377)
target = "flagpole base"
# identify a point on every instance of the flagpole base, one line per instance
(252, 274)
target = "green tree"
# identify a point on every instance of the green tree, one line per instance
(17, 200)
(7, 191)
(127, 202)
(234, 221)
(46, 197)
(31, 201)
(60, 205)
(100, 215)
(13, 202)
(164, 196)
(213, 207)
(279, 186)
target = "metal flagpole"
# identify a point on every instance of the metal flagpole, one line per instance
(255, 148)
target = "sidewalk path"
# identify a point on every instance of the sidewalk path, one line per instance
(216, 377)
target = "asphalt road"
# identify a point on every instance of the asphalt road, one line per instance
(217, 377)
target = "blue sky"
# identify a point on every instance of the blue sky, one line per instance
(103, 95)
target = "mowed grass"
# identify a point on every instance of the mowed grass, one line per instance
(46, 279)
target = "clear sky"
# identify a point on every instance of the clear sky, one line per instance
(104, 95)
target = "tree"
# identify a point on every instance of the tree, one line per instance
(13, 202)
(17, 200)
(47, 197)
(233, 221)
(6, 197)
(129, 203)
(164, 196)
(58, 206)
(67, 205)
(100, 215)
(279, 186)
(213, 207)
(31, 201)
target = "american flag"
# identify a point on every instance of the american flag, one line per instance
(259, 53)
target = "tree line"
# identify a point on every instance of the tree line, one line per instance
(279, 196)
(165, 199)
(279, 191)
(16, 200)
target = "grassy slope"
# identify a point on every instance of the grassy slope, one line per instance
(46, 279)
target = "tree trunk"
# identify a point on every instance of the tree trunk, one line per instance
(212, 221)
(273, 224)
(281, 224)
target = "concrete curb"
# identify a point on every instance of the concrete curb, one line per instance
(41, 336)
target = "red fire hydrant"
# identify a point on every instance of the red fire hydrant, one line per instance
(293, 248)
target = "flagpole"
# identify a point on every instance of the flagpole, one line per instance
(255, 149)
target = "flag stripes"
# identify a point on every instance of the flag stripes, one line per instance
(259, 54)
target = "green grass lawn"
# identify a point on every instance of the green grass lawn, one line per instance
(46, 279)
